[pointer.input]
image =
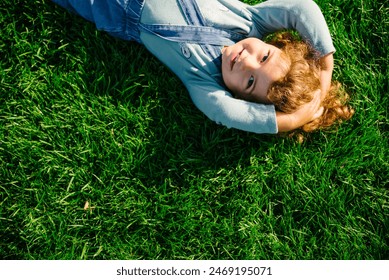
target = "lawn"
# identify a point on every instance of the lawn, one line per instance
(104, 156)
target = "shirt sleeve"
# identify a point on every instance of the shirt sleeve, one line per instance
(303, 16)
(219, 106)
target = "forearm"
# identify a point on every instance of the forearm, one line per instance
(289, 122)
(327, 66)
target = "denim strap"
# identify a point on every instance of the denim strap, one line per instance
(193, 15)
(192, 12)
(134, 11)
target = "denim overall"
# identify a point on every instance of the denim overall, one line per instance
(121, 18)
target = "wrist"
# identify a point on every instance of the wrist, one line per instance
(285, 122)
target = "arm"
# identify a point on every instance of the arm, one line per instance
(304, 16)
(219, 106)
(327, 66)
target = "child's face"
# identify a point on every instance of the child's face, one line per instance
(249, 68)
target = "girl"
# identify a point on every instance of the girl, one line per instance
(289, 83)
(212, 45)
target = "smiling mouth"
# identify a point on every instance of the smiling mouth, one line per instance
(235, 59)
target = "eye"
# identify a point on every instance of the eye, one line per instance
(250, 82)
(265, 57)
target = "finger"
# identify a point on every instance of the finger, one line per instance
(317, 94)
(318, 113)
(316, 99)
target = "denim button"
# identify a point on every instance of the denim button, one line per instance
(185, 51)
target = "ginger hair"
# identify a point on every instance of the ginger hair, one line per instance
(297, 87)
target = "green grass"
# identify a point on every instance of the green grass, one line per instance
(86, 117)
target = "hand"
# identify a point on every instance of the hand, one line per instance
(305, 114)
(310, 111)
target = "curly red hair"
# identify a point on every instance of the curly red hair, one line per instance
(297, 87)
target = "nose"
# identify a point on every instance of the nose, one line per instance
(250, 63)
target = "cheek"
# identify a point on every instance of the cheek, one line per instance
(230, 80)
